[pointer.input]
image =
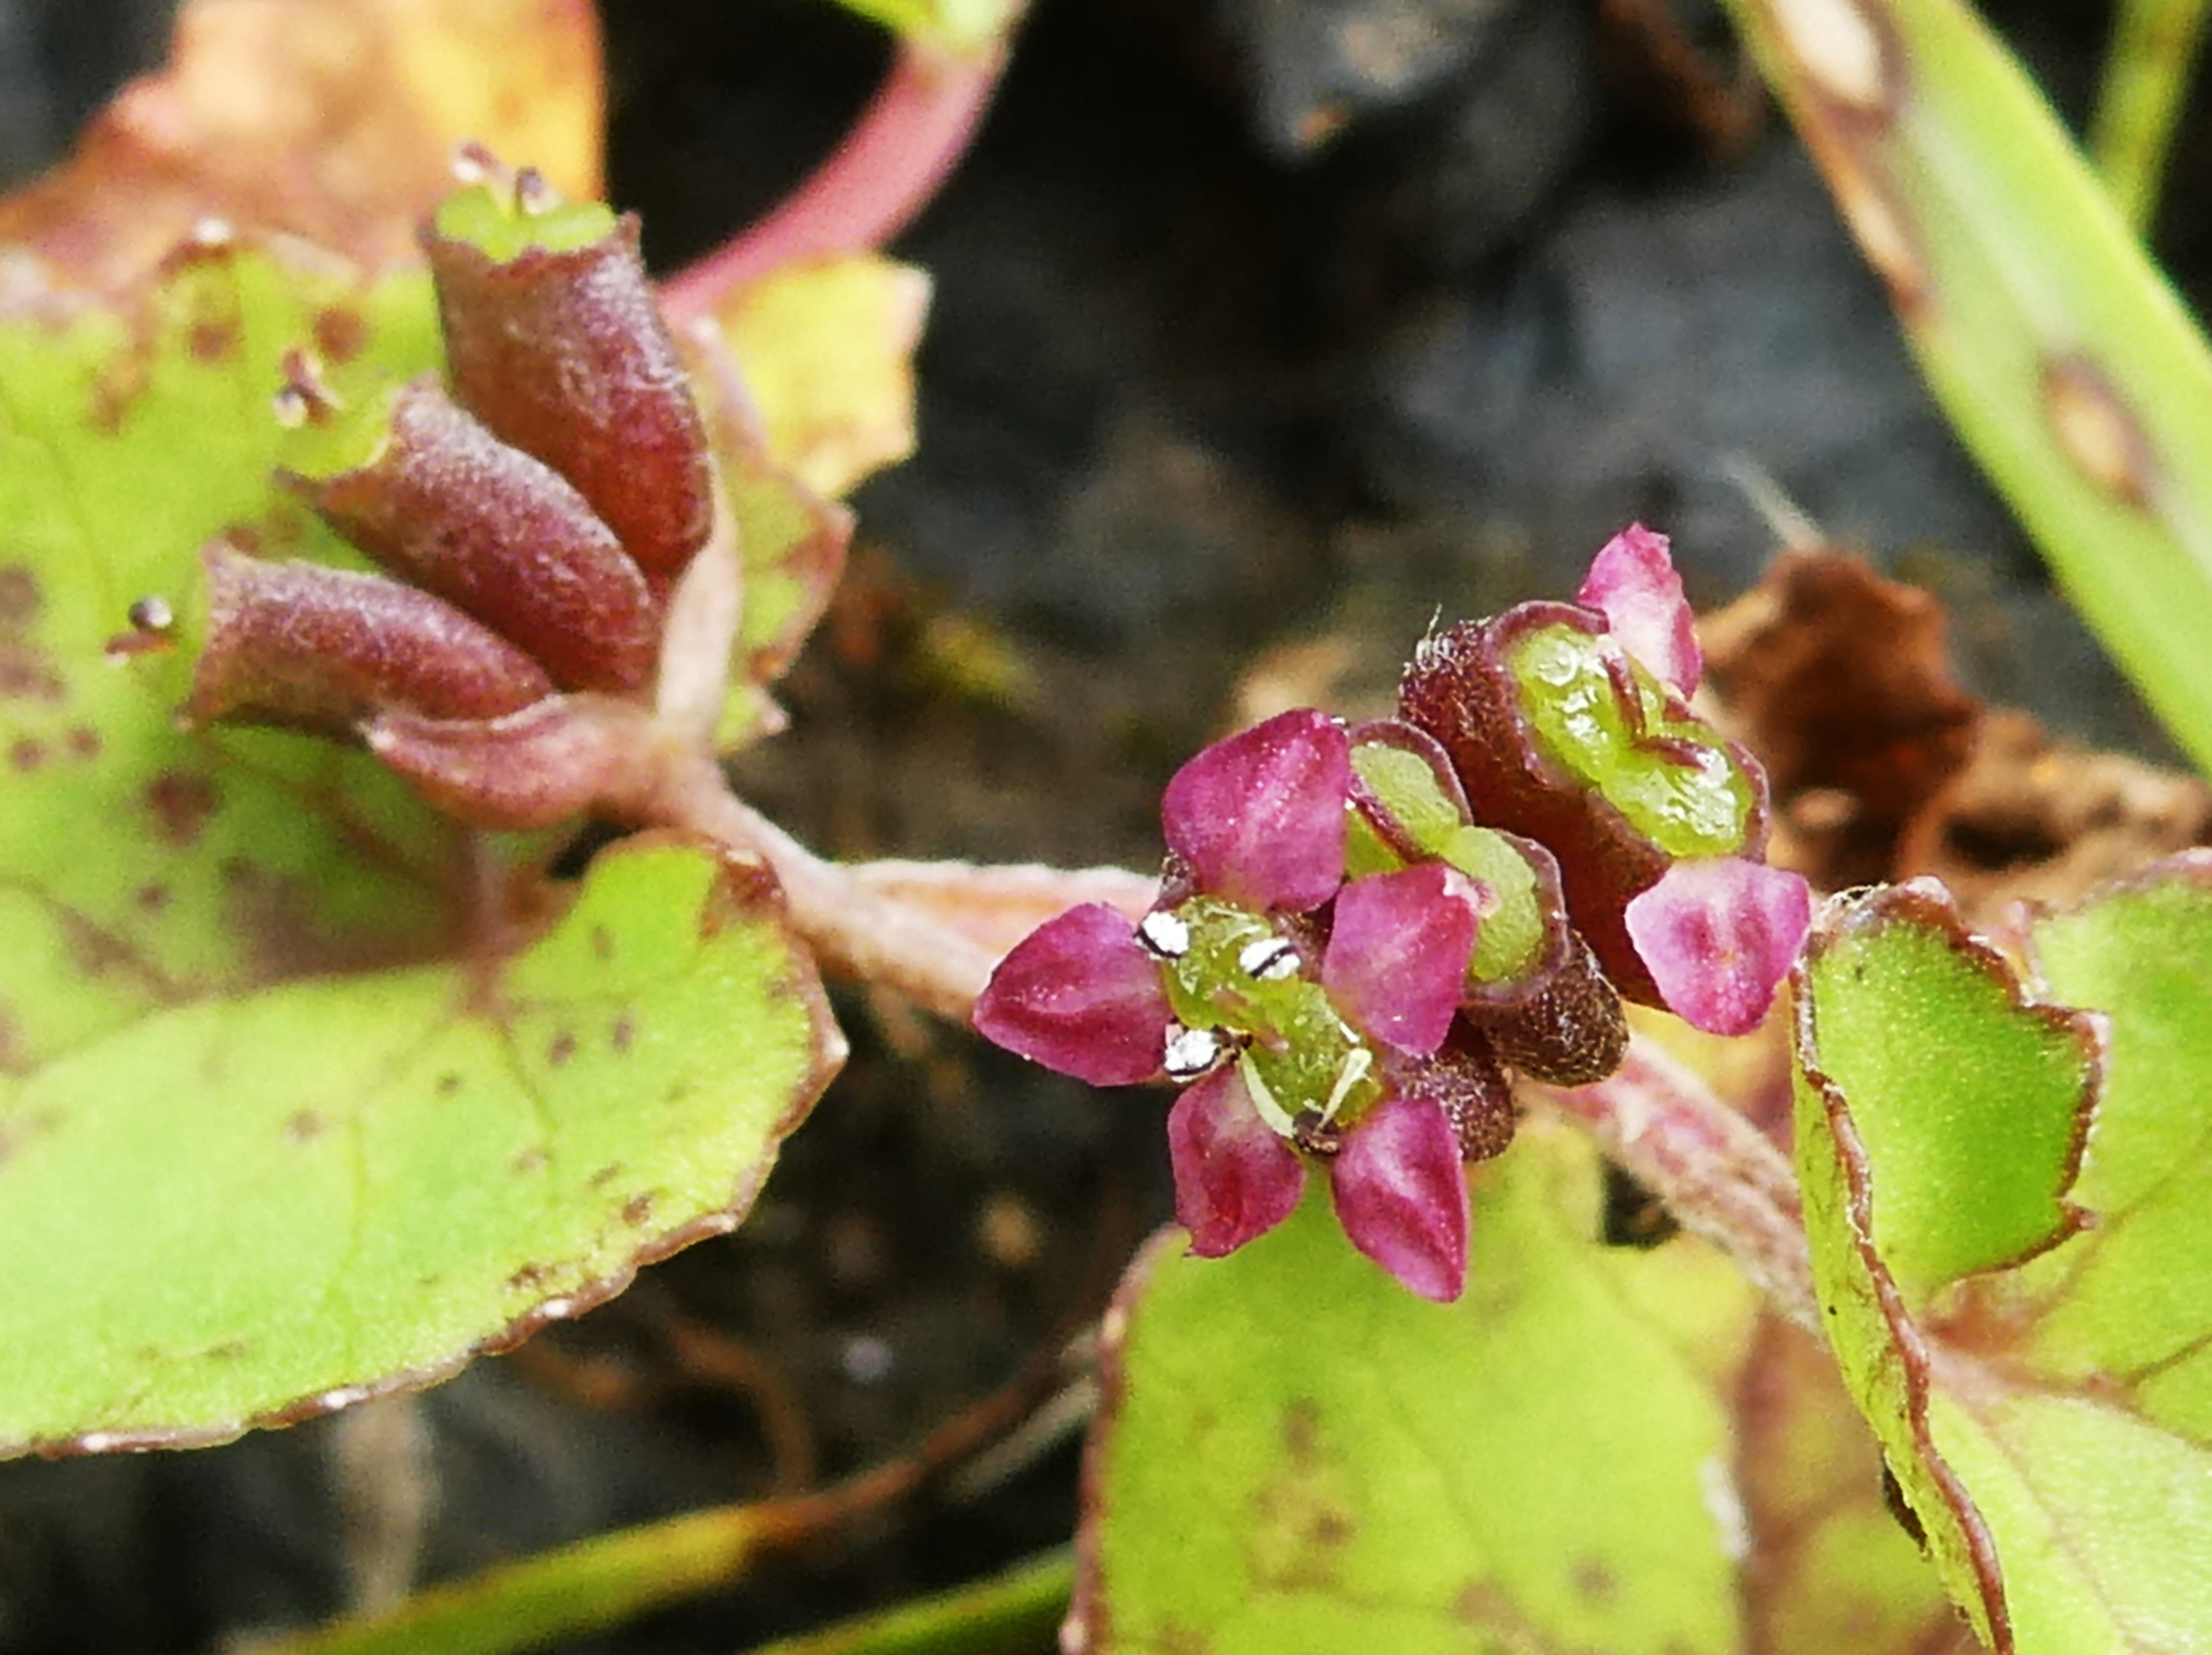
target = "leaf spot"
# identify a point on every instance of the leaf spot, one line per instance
(1594, 1582)
(1879, 221)
(28, 754)
(528, 1161)
(1302, 1523)
(20, 597)
(1480, 1604)
(305, 1127)
(2098, 431)
(561, 1047)
(212, 341)
(603, 943)
(1840, 49)
(529, 1278)
(92, 950)
(24, 675)
(181, 803)
(605, 1176)
(623, 1032)
(84, 742)
(153, 896)
(340, 332)
(637, 1209)
(448, 1084)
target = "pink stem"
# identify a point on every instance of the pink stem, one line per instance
(872, 185)
(896, 925)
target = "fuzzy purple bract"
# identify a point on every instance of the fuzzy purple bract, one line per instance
(1397, 954)
(1259, 817)
(1402, 1199)
(1235, 1179)
(1079, 995)
(1632, 583)
(1718, 936)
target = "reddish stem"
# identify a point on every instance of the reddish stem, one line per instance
(872, 186)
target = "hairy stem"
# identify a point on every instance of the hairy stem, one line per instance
(872, 186)
(900, 925)
(1718, 1173)
(2147, 72)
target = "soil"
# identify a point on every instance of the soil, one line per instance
(1263, 330)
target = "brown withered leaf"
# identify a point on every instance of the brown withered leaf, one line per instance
(2030, 816)
(331, 120)
(1838, 678)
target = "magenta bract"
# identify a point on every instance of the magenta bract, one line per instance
(1396, 963)
(1258, 817)
(1717, 937)
(1401, 1197)
(1079, 995)
(1631, 582)
(1234, 1178)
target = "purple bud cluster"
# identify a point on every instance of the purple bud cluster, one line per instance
(530, 517)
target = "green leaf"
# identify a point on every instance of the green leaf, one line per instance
(280, 1116)
(828, 353)
(2146, 76)
(2020, 1303)
(1297, 1455)
(2063, 358)
(141, 866)
(263, 1204)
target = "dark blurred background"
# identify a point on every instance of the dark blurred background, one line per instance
(1262, 330)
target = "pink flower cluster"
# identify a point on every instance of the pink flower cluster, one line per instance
(1315, 1016)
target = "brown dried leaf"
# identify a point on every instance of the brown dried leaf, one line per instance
(1840, 680)
(2030, 816)
(331, 120)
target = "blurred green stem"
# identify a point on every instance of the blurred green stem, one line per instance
(600, 1582)
(1015, 1613)
(613, 1578)
(2146, 76)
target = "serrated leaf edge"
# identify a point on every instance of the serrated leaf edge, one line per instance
(2192, 866)
(745, 886)
(1927, 903)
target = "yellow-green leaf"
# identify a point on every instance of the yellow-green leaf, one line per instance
(1298, 1456)
(2009, 1239)
(826, 349)
(302, 1089)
